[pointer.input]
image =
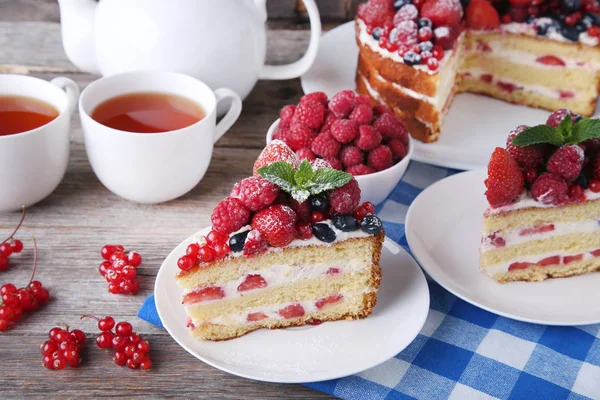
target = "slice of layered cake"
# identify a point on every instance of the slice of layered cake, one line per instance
(415, 55)
(290, 246)
(543, 190)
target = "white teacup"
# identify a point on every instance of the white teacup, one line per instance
(157, 167)
(33, 163)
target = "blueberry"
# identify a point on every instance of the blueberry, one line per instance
(581, 27)
(398, 4)
(345, 222)
(323, 232)
(412, 58)
(377, 32)
(465, 3)
(319, 202)
(542, 30)
(576, 118)
(371, 224)
(582, 181)
(426, 46)
(570, 33)
(425, 23)
(571, 6)
(530, 19)
(236, 242)
(594, 19)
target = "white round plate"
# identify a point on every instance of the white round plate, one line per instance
(309, 353)
(474, 126)
(444, 235)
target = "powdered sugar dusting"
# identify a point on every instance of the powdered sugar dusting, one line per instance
(277, 150)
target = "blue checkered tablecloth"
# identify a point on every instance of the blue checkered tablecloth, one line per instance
(464, 352)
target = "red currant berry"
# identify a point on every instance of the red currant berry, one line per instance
(3, 263)
(61, 336)
(146, 364)
(34, 305)
(119, 342)
(48, 362)
(25, 298)
(185, 263)
(221, 250)
(5, 250)
(104, 340)
(120, 358)
(52, 333)
(4, 323)
(107, 251)
(192, 250)
(594, 185)
(8, 288)
(433, 64)
(138, 356)
(123, 328)
(143, 346)
(206, 254)
(575, 192)
(114, 288)
(425, 34)
(130, 349)
(40, 294)
(135, 338)
(134, 287)
(17, 246)
(317, 216)
(134, 259)
(35, 284)
(106, 324)
(59, 363)
(214, 237)
(360, 213)
(71, 351)
(132, 364)
(10, 299)
(118, 255)
(77, 336)
(74, 363)
(48, 347)
(104, 267)
(438, 52)
(129, 272)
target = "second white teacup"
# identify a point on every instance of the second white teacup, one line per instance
(157, 167)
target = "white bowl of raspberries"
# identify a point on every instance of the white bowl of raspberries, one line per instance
(352, 135)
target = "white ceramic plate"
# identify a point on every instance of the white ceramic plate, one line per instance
(310, 353)
(444, 236)
(474, 126)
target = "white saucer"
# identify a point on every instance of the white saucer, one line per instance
(310, 353)
(474, 126)
(443, 229)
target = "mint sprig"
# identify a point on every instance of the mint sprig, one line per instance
(565, 133)
(304, 181)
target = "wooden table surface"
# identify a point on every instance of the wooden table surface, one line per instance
(73, 223)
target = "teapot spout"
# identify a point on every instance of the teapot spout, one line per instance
(77, 29)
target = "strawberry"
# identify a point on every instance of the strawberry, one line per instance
(276, 151)
(252, 282)
(550, 60)
(328, 300)
(256, 316)
(482, 15)
(277, 224)
(206, 294)
(292, 311)
(505, 180)
(442, 12)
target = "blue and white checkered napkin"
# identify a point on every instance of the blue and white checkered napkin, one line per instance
(464, 352)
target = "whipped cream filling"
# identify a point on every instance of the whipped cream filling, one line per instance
(272, 310)
(526, 201)
(516, 237)
(503, 267)
(282, 274)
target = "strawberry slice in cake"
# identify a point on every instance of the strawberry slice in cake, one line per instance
(543, 189)
(290, 246)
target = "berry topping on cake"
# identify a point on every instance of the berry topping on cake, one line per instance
(229, 215)
(566, 162)
(346, 198)
(277, 224)
(255, 243)
(276, 151)
(557, 116)
(442, 12)
(505, 180)
(526, 156)
(255, 192)
(323, 232)
(481, 15)
(549, 188)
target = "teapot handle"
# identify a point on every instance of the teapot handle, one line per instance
(297, 68)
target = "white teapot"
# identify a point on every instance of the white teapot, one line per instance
(221, 42)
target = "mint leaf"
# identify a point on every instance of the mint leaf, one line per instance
(584, 129)
(565, 127)
(299, 195)
(304, 173)
(539, 134)
(279, 173)
(327, 179)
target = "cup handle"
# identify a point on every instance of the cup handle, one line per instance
(71, 89)
(232, 114)
(297, 68)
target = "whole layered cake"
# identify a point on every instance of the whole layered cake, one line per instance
(543, 190)
(290, 246)
(414, 56)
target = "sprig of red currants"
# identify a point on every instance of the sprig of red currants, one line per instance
(63, 348)
(11, 245)
(120, 269)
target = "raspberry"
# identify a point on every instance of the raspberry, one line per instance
(566, 162)
(285, 116)
(591, 145)
(557, 116)
(299, 136)
(360, 169)
(306, 154)
(280, 134)
(229, 215)
(319, 163)
(330, 118)
(351, 155)
(256, 193)
(310, 113)
(325, 145)
(362, 99)
(277, 224)
(275, 151)
(344, 130)
(597, 166)
(444, 37)
(255, 243)
(406, 33)
(302, 210)
(481, 15)
(368, 138)
(442, 12)
(527, 156)
(316, 96)
(346, 198)
(335, 163)
(362, 114)
(407, 13)
(304, 230)
(391, 128)
(380, 109)
(380, 158)
(505, 181)
(375, 13)
(549, 189)
(398, 150)
(342, 103)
